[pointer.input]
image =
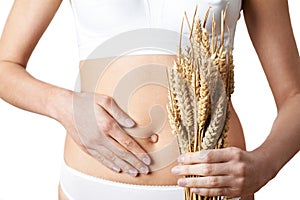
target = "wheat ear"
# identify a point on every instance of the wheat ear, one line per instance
(218, 110)
(200, 85)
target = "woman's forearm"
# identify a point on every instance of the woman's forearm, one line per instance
(20, 89)
(284, 140)
(96, 126)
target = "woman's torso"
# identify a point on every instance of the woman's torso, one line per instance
(137, 82)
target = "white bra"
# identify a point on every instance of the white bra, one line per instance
(100, 22)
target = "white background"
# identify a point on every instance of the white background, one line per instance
(31, 146)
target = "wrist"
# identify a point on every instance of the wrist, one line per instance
(267, 164)
(60, 104)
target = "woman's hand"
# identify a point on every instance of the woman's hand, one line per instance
(229, 172)
(97, 128)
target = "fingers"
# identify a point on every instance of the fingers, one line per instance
(109, 104)
(106, 141)
(130, 144)
(135, 159)
(133, 165)
(202, 169)
(211, 156)
(112, 161)
(103, 159)
(205, 182)
(217, 172)
(212, 192)
(212, 186)
(108, 126)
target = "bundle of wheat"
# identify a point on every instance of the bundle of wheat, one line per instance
(200, 86)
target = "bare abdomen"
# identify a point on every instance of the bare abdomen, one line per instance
(139, 86)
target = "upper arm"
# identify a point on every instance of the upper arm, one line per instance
(27, 21)
(270, 29)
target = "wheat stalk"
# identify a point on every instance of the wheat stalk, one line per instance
(200, 87)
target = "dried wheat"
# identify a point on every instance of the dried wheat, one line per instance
(200, 85)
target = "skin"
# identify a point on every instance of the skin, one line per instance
(138, 109)
(49, 100)
(230, 171)
(227, 172)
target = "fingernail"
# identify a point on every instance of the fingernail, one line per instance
(144, 170)
(195, 190)
(133, 172)
(182, 182)
(175, 170)
(116, 169)
(147, 160)
(129, 122)
(180, 159)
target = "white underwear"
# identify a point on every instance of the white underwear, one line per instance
(79, 186)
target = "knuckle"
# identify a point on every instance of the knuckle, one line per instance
(123, 154)
(207, 169)
(213, 182)
(232, 149)
(209, 156)
(128, 143)
(99, 157)
(238, 153)
(241, 169)
(188, 157)
(109, 127)
(193, 182)
(113, 158)
(106, 126)
(240, 182)
(106, 101)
